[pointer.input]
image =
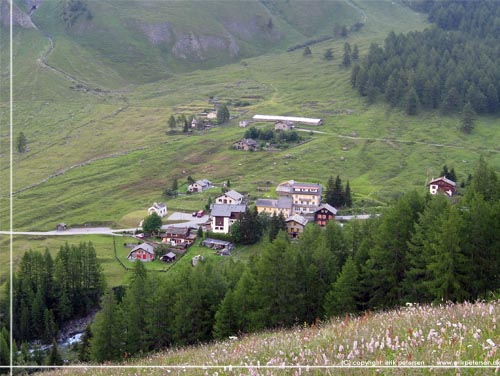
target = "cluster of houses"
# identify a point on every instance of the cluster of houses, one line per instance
(281, 123)
(298, 202)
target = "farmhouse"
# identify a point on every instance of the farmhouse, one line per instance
(178, 236)
(324, 214)
(283, 205)
(302, 120)
(306, 197)
(247, 144)
(281, 125)
(244, 123)
(224, 215)
(295, 225)
(200, 186)
(158, 208)
(230, 197)
(142, 252)
(442, 184)
(217, 244)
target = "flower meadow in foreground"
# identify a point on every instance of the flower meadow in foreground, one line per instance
(443, 338)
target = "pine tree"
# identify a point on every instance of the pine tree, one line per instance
(468, 116)
(4, 347)
(172, 123)
(355, 52)
(347, 195)
(106, 342)
(343, 294)
(226, 318)
(346, 59)
(222, 114)
(307, 51)
(448, 265)
(21, 143)
(328, 55)
(338, 194)
(277, 285)
(84, 345)
(134, 307)
(412, 102)
(54, 358)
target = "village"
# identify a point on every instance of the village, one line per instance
(299, 204)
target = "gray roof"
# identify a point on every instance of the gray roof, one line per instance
(297, 218)
(203, 182)
(328, 207)
(281, 203)
(225, 210)
(234, 195)
(170, 255)
(290, 186)
(174, 230)
(145, 246)
(157, 205)
(445, 179)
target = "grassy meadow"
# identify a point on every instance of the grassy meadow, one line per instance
(431, 340)
(103, 156)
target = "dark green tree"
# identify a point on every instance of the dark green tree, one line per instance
(280, 298)
(222, 114)
(83, 347)
(107, 339)
(152, 224)
(134, 309)
(347, 195)
(343, 294)
(346, 59)
(355, 52)
(328, 55)
(468, 116)
(307, 51)
(21, 143)
(448, 265)
(412, 102)
(226, 321)
(54, 358)
(172, 124)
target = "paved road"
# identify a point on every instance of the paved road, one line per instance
(190, 221)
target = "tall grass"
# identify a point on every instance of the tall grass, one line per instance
(416, 339)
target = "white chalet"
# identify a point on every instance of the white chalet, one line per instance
(224, 215)
(230, 197)
(158, 208)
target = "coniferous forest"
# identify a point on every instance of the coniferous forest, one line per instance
(449, 66)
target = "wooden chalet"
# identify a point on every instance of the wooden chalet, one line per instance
(295, 225)
(324, 214)
(178, 236)
(442, 184)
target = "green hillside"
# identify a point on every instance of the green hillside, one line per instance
(98, 146)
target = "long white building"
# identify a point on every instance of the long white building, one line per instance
(302, 120)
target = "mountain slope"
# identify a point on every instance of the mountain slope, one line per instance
(146, 41)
